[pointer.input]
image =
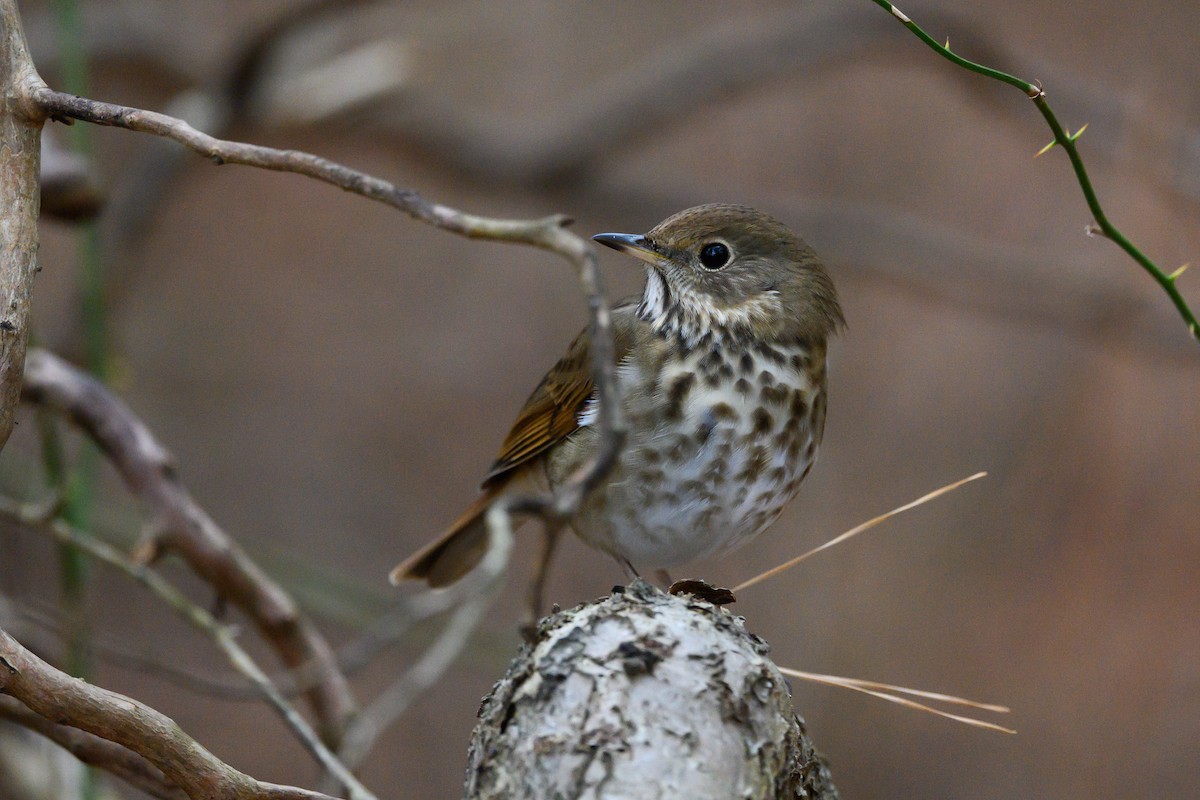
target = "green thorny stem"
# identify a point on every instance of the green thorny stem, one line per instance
(1067, 142)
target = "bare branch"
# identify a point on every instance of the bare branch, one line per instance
(547, 233)
(539, 233)
(148, 470)
(20, 125)
(54, 695)
(94, 751)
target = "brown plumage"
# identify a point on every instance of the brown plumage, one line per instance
(721, 375)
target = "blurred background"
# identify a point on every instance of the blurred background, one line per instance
(334, 378)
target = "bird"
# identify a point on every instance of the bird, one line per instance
(721, 377)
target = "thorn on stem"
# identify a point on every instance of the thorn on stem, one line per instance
(1092, 229)
(1046, 149)
(1175, 275)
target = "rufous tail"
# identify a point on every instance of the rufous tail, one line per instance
(453, 554)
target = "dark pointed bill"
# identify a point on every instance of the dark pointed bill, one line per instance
(633, 244)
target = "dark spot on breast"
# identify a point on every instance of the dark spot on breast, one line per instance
(766, 378)
(677, 393)
(650, 478)
(763, 421)
(724, 412)
(683, 449)
(777, 476)
(771, 354)
(712, 360)
(715, 474)
(746, 364)
(757, 462)
(706, 517)
(774, 395)
(799, 403)
(706, 428)
(742, 387)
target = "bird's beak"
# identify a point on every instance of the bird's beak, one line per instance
(633, 244)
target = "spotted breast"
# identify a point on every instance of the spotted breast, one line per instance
(719, 440)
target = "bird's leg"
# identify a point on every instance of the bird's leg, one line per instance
(542, 569)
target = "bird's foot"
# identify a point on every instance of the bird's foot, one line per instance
(717, 595)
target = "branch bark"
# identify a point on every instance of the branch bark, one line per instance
(94, 751)
(20, 160)
(643, 695)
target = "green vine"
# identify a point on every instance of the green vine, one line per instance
(1067, 141)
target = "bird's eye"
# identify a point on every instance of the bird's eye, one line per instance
(714, 255)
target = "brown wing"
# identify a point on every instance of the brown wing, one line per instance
(552, 412)
(550, 415)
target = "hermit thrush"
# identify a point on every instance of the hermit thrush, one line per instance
(721, 376)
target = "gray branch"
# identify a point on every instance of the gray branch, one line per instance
(20, 126)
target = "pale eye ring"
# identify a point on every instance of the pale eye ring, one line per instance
(714, 255)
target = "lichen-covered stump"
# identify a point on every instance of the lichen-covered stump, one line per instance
(643, 695)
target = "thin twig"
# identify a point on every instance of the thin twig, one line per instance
(871, 523)
(204, 621)
(871, 688)
(1067, 141)
(538, 233)
(393, 701)
(379, 635)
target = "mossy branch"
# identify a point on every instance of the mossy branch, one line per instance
(1067, 141)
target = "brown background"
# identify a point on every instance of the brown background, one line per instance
(334, 378)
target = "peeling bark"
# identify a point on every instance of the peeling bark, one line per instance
(643, 695)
